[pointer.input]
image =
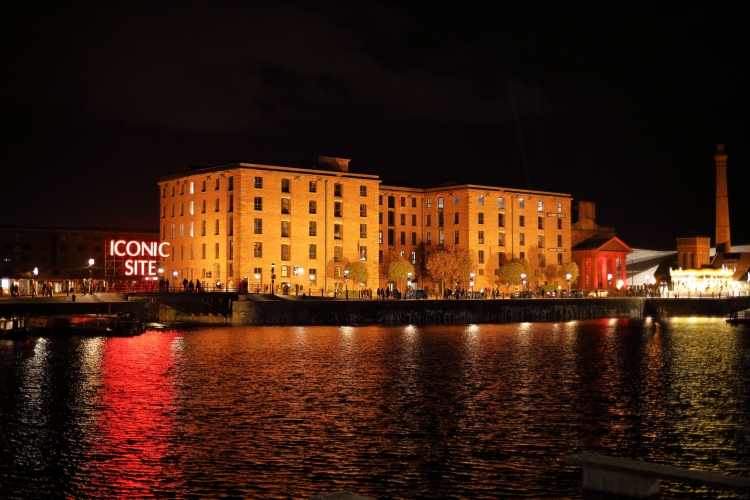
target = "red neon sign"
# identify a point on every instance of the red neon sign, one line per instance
(143, 266)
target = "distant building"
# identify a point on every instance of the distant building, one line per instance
(600, 255)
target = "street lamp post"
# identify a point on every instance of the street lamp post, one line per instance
(91, 276)
(567, 277)
(471, 283)
(273, 276)
(35, 272)
(174, 279)
(609, 283)
(346, 279)
(523, 282)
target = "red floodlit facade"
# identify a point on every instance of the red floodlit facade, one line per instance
(597, 258)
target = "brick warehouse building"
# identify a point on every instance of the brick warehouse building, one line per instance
(494, 224)
(233, 222)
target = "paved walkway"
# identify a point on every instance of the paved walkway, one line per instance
(97, 297)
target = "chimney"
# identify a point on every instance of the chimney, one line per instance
(327, 163)
(723, 244)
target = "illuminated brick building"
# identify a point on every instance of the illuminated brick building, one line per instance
(235, 222)
(494, 224)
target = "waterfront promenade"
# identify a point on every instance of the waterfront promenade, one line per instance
(257, 309)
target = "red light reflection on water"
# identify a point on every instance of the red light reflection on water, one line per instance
(134, 453)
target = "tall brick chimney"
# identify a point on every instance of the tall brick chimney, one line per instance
(723, 244)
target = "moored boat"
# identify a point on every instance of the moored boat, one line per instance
(13, 328)
(107, 324)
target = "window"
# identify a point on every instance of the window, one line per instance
(440, 202)
(413, 203)
(380, 200)
(313, 187)
(337, 190)
(217, 205)
(559, 223)
(230, 186)
(258, 203)
(403, 219)
(559, 206)
(258, 182)
(480, 257)
(390, 237)
(217, 184)
(285, 229)
(456, 201)
(182, 189)
(257, 249)
(480, 200)
(337, 208)
(521, 203)
(203, 228)
(284, 271)
(429, 202)
(216, 251)
(403, 237)
(313, 273)
(540, 206)
(522, 255)
(231, 248)
(363, 210)
(413, 257)
(540, 222)
(182, 209)
(313, 228)
(500, 220)
(501, 239)
(257, 226)
(338, 232)
(413, 238)
(192, 232)
(284, 252)
(191, 208)
(362, 253)
(363, 190)
(216, 230)
(337, 254)
(414, 220)
(540, 260)
(455, 218)
(521, 221)
(391, 202)
(501, 203)
(313, 251)
(455, 237)
(402, 201)
(559, 241)
(284, 185)
(164, 191)
(313, 207)
(480, 237)
(429, 238)
(182, 230)
(172, 191)
(391, 218)
(203, 251)
(203, 207)
(429, 220)
(540, 241)
(363, 231)
(441, 238)
(203, 189)
(440, 219)
(521, 239)
(231, 203)
(285, 206)
(380, 237)
(164, 212)
(336, 271)
(559, 259)
(182, 252)
(380, 217)
(480, 218)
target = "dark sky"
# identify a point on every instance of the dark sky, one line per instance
(623, 108)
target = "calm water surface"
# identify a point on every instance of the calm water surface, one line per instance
(481, 411)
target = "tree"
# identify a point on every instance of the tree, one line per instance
(551, 272)
(510, 273)
(524, 264)
(463, 259)
(399, 270)
(357, 272)
(569, 268)
(442, 266)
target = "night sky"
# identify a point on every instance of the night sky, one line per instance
(622, 108)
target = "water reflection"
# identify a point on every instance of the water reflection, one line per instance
(476, 411)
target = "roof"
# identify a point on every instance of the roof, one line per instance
(603, 243)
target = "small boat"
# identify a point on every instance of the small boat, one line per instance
(13, 328)
(106, 324)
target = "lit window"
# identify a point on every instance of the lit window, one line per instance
(480, 237)
(480, 200)
(440, 202)
(362, 253)
(501, 203)
(540, 206)
(456, 200)
(520, 203)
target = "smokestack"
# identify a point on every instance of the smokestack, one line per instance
(723, 244)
